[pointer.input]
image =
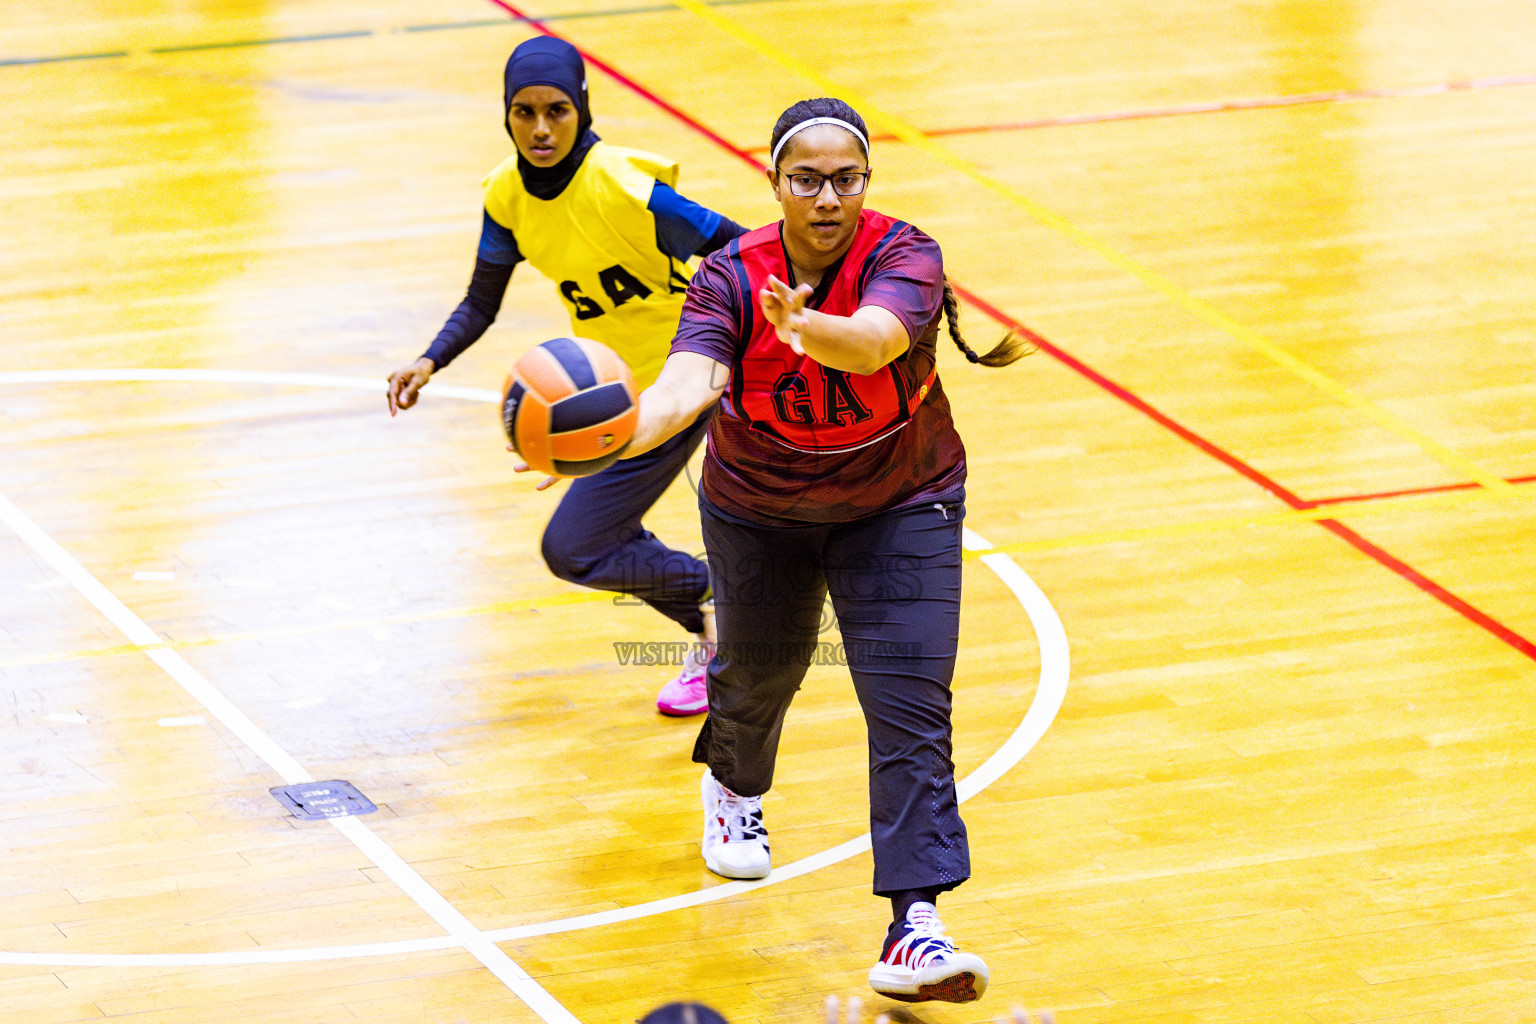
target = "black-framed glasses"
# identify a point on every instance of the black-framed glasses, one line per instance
(806, 184)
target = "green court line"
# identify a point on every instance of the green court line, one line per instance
(67, 57)
(442, 25)
(235, 44)
(612, 12)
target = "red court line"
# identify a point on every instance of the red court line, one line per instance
(1216, 106)
(1130, 398)
(1124, 394)
(632, 85)
(1409, 492)
(1432, 588)
(1365, 547)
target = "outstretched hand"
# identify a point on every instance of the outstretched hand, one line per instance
(785, 309)
(1019, 1015)
(855, 1011)
(523, 467)
(406, 384)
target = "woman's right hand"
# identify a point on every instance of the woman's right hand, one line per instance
(406, 384)
(784, 307)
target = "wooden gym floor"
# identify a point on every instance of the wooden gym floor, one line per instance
(1271, 469)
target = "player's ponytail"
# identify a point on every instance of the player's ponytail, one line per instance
(822, 109)
(1012, 348)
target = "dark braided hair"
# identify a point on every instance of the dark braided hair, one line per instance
(1014, 345)
(1012, 348)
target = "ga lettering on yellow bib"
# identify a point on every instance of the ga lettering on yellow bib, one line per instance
(597, 241)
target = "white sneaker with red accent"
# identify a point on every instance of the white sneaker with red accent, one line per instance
(921, 963)
(688, 694)
(735, 842)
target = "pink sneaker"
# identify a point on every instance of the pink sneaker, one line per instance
(687, 694)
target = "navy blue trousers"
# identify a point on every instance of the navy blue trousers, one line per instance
(894, 579)
(596, 539)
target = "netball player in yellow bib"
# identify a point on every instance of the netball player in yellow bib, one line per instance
(606, 225)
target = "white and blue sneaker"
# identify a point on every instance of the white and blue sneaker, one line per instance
(921, 963)
(735, 842)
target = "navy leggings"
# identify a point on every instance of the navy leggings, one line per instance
(596, 539)
(895, 585)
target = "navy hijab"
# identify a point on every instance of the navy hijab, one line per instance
(557, 64)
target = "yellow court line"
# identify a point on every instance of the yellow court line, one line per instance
(914, 137)
(1223, 524)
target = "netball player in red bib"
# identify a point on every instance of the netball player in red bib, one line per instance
(832, 466)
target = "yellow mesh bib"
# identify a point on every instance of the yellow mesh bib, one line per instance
(597, 241)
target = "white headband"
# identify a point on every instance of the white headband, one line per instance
(774, 162)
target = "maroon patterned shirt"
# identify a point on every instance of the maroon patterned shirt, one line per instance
(759, 465)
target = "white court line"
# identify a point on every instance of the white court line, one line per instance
(1049, 694)
(375, 849)
(1055, 663)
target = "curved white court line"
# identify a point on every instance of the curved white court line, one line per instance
(1055, 664)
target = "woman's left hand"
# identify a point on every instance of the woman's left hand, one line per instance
(855, 1012)
(542, 485)
(785, 309)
